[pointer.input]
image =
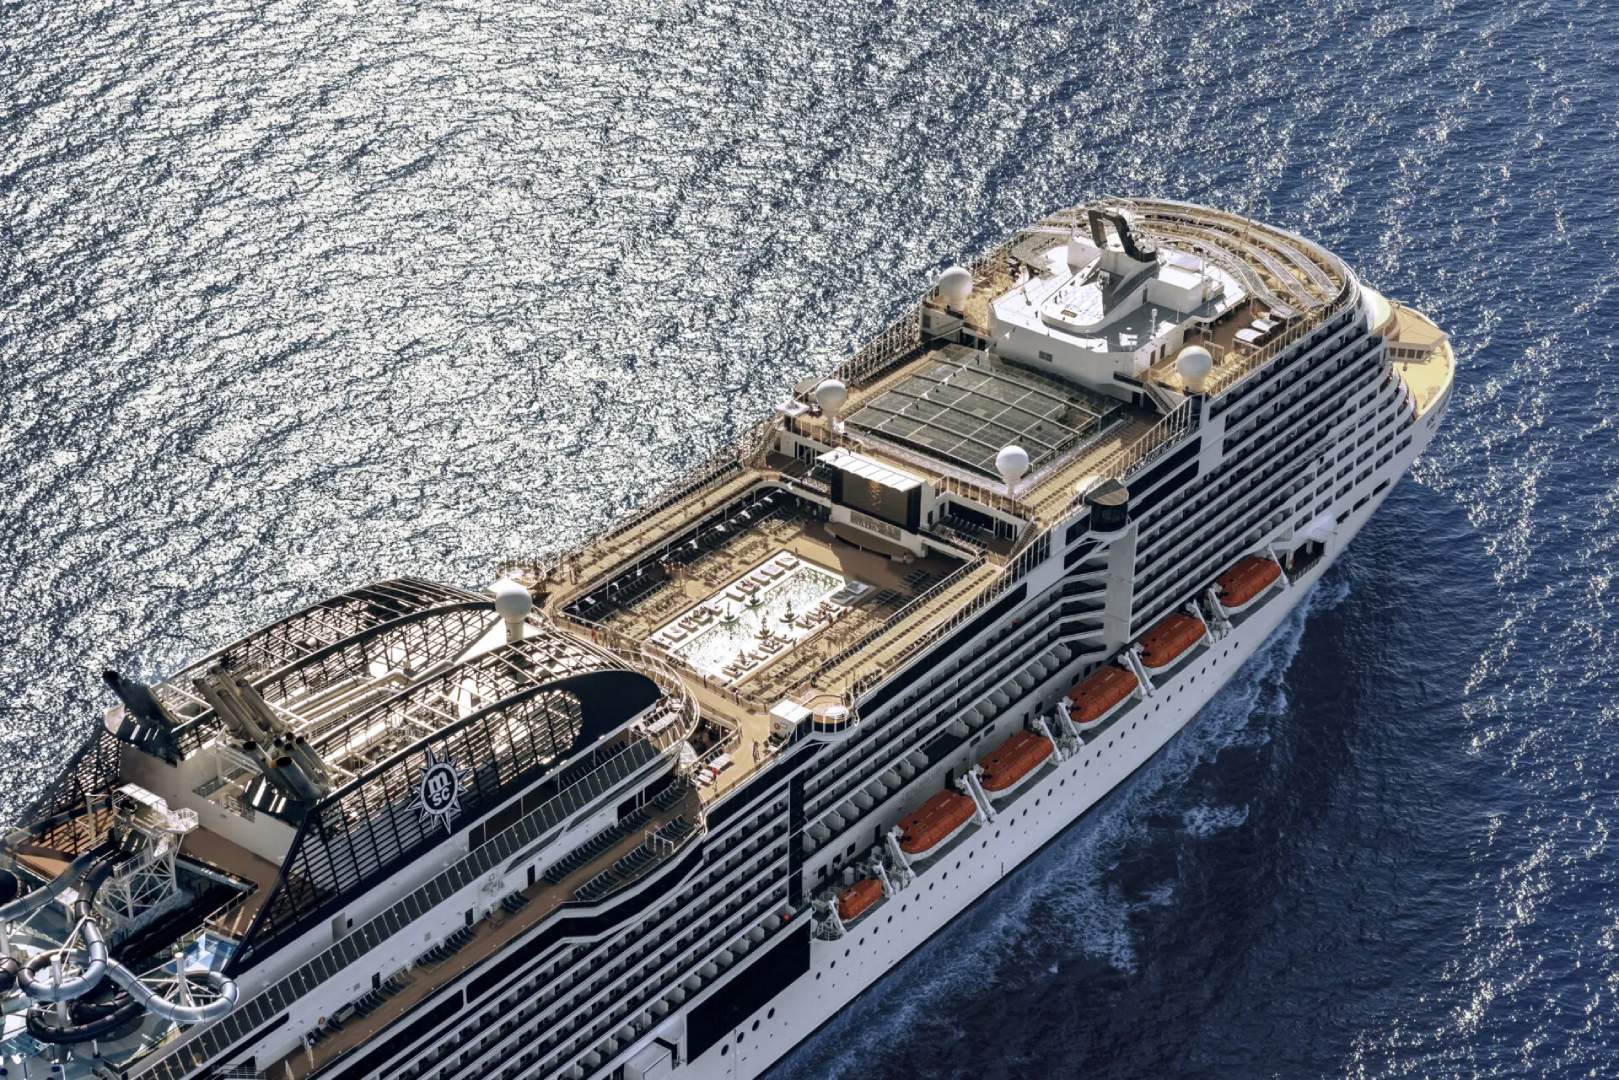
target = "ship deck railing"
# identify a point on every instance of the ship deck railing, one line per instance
(473, 944)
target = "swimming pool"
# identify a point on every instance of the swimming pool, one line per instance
(730, 645)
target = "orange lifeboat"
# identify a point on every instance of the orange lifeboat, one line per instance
(1012, 762)
(1099, 695)
(1247, 578)
(858, 899)
(1169, 639)
(936, 821)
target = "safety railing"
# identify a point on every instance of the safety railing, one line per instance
(638, 656)
(917, 605)
(892, 343)
(1126, 460)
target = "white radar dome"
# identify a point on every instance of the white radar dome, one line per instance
(512, 604)
(830, 396)
(1013, 465)
(1194, 363)
(955, 285)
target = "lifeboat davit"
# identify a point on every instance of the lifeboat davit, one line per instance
(1101, 694)
(858, 899)
(1169, 639)
(1245, 582)
(937, 820)
(1012, 762)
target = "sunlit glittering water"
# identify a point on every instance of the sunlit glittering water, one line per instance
(297, 295)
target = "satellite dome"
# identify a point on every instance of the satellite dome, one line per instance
(1013, 464)
(1194, 364)
(955, 285)
(511, 599)
(512, 604)
(831, 395)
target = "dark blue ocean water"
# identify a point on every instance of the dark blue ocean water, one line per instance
(296, 295)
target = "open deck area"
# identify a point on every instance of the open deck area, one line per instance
(214, 851)
(1422, 354)
(1046, 492)
(715, 581)
(963, 405)
(695, 583)
(703, 592)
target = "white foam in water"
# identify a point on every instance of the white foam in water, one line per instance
(1203, 822)
(1080, 908)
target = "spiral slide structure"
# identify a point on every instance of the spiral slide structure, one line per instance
(62, 976)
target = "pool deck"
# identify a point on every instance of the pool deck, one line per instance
(908, 596)
(761, 604)
(891, 585)
(912, 599)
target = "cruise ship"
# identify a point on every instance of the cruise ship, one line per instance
(663, 804)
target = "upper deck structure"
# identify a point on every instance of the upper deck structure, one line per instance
(879, 508)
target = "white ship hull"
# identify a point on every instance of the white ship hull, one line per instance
(842, 969)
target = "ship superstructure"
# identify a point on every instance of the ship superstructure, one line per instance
(662, 805)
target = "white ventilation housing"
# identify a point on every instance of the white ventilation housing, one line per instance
(955, 285)
(1194, 364)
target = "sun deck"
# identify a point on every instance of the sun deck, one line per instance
(692, 574)
(963, 405)
(693, 582)
(214, 851)
(703, 593)
(1044, 495)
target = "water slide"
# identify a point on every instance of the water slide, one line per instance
(47, 983)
